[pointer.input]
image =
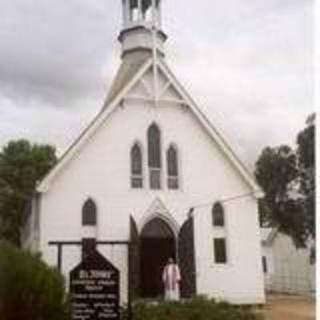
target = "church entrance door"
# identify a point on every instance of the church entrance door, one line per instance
(157, 244)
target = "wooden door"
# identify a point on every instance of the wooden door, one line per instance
(154, 256)
(187, 261)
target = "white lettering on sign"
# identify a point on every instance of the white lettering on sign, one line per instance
(95, 274)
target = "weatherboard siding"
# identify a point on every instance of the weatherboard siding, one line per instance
(101, 170)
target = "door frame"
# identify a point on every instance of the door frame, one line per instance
(173, 236)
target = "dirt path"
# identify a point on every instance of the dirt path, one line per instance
(290, 308)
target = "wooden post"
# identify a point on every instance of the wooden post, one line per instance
(129, 283)
(59, 247)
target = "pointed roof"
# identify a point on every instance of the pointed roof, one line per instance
(127, 70)
(129, 74)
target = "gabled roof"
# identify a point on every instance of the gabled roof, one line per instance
(126, 72)
(267, 235)
(128, 76)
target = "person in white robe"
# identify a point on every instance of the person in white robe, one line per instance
(171, 278)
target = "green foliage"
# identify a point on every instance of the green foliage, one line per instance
(306, 157)
(22, 165)
(197, 309)
(287, 178)
(277, 174)
(29, 289)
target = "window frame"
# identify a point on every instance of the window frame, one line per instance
(136, 177)
(173, 178)
(226, 255)
(218, 205)
(88, 221)
(153, 169)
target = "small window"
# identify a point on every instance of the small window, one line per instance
(89, 213)
(154, 157)
(264, 265)
(220, 251)
(136, 167)
(218, 215)
(172, 165)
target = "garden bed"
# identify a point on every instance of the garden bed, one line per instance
(196, 309)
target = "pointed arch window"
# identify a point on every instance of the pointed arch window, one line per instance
(172, 166)
(154, 157)
(218, 218)
(136, 167)
(89, 213)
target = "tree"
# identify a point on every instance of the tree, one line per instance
(277, 173)
(22, 165)
(29, 289)
(306, 163)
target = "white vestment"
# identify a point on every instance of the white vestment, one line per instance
(171, 278)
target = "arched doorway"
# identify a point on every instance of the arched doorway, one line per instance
(157, 244)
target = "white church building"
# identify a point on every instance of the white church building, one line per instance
(151, 169)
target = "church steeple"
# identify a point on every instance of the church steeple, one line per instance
(139, 19)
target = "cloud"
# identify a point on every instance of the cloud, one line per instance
(248, 63)
(53, 50)
(255, 78)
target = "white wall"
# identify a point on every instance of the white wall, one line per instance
(268, 254)
(291, 271)
(101, 170)
(241, 279)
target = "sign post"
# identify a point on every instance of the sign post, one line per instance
(94, 289)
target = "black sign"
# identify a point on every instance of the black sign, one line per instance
(94, 289)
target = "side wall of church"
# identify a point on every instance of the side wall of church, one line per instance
(101, 171)
(240, 280)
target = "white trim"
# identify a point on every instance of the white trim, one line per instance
(147, 88)
(211, 129)
(151, 100)
(101, 117)
(157, 209)
(165, 89)
(91, 129)
(154, 52)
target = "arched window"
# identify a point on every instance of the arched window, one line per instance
(172, 166)
(89, 213)
(154, 157)
(218, 215)
(136, 167)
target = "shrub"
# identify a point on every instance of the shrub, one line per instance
(29, 289)
(197, 309)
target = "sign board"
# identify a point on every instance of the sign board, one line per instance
(94, 289)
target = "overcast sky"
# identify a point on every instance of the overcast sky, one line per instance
(248, 63)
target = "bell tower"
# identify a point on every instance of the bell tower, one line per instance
(141, 30)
